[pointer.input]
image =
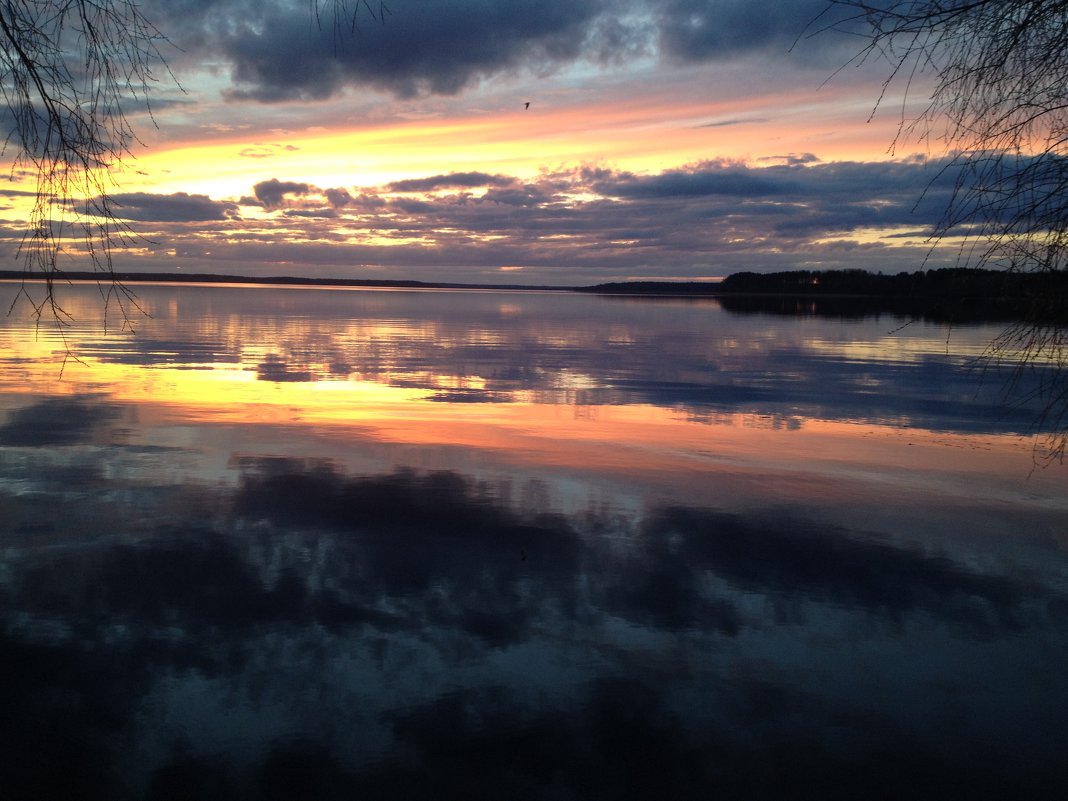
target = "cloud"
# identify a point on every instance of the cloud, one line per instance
(177, 207)
(464, 180)
(280, 51)
(733, 122)
(435, 47)
(791, 159)
(337, 198)
(702, 181)
(266, 151)
(705, 30)
(579, 225)
(529, 195)
(272, 193)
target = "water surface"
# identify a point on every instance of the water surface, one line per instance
(281, 543)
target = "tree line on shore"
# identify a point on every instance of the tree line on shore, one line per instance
(949, 293)
(944, 294)
(946, 282)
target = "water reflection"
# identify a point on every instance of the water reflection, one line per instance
(309, 567)
(372, 631)
(504, 348)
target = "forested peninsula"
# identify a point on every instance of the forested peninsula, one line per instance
(949, 294)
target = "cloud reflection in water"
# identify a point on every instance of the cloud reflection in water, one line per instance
(702, 582)
(499, 347)
(352, 588)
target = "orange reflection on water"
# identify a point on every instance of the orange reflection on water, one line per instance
(667, 447)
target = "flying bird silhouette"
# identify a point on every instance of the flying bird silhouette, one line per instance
(527, 104)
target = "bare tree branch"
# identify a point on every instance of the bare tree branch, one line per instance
(71, 71)
(999, 107)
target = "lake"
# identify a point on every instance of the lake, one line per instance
(305, 543)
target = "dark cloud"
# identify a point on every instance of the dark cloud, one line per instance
(730, 123)
(703, 30)
(455, 180)
(791, 159)
(529, 195)
(593, 224)
(435, 46)
(715, 208)
(337, 198)
(272, 193)
(57, 421)
(282, 50)
(414, 206)
(713, 180)
(177, 207)
(312, 214)
(266, 151)
(367, 202)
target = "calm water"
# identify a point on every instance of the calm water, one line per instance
(282, 543)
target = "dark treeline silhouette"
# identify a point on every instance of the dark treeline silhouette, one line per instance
(952, 294)
(960, 281)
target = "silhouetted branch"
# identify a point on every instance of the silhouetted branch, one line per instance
(998, 103)
(71, 71)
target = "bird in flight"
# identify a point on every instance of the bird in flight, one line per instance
(527, 104)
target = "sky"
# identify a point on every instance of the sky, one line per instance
(664, 139)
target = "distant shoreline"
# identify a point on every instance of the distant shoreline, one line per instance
(79, 276)
(947, 292)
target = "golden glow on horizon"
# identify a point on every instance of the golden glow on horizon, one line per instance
(654, 135)
(634, 119)
(660, 130)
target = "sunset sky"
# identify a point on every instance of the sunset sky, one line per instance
(674, 139)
